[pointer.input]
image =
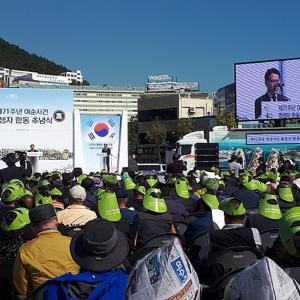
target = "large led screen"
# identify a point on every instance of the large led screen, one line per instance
(268, 90)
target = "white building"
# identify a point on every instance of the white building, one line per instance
(42, 79)
(107, 101)
(75, 76)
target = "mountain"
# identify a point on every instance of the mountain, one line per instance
(14, 57)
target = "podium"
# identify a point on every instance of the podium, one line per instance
(34, 160)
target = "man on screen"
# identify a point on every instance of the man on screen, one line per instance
(273, 84)
(32, 148)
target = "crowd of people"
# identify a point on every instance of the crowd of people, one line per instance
(73, 235)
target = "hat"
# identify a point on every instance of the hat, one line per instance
(210, 200)
(181, 188)
(110, 179)
(17, 182)
(289, 226)
(228, 207)
(269, 207)
(127, 182)
(108, 207)
(248, 184)
(11, 192)
(77, 192)
(15, 219)
(212, 184)
(87, 182)
(10, 158)
(27, 193)
(285, 192)
(81, 177)
(97, 182)
(151, 181)
(39, 199)
(140, 189)
(67, 177)
(41, 213)
(260, 186)
(154, 202)
(55, 192)
(99, 252)
(43, 183)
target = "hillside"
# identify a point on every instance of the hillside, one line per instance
(13, 57)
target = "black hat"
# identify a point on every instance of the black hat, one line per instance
(99, 247)
(10, 158)
(67, 177)
(41, 213)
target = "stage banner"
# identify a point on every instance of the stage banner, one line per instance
(43, 117)
(97, 130)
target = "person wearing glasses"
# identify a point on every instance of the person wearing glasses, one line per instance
(273, 84)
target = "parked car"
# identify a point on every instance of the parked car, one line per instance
(154, 169)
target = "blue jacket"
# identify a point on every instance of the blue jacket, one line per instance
(109, 286)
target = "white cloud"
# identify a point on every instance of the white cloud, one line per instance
(12, 96)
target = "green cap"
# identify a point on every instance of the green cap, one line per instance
(43, 183)
(285, 193)
(210, 200)
(227, 206)
(261, 177)
(12, 192)
(99, 192)
(212, 184)
(55, 192)
(27, 193)
(141, 189)
(18, 217)
(40, 199)
(181, 188)
(17, 182)
(289, 226)
(151, 181)
(269, 207)
(81, 177)
(128, 184)
(171, 180)
(108, 207)
(154, 202)
(225, 173)
(260, 186)
(271, 175)
(248, 184)
(110, 179)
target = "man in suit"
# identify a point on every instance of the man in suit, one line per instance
(32, 148)
(272, 82)
(107, 158)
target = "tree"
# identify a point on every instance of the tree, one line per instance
(157, 135)
(184, 126)
(133, 133)
(226, 118)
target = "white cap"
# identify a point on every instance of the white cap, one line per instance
(78, 192)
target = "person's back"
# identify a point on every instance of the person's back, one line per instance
(249, 198)
(76, 213)
(12, 171)
(46, 256)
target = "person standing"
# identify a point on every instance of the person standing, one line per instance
(107, 158)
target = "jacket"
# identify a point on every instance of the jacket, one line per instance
(45, 257)
(104, 286)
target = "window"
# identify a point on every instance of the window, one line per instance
(185, 149)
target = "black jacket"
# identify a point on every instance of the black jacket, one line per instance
(266, 98)
(14, 172)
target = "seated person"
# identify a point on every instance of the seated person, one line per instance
(46, 256)
(76, 213)
(285, 196)
(269, 214)
(234, 233)
(286, 249)
(155, 220)
(100, 257)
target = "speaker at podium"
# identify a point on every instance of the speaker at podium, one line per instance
(34, 158)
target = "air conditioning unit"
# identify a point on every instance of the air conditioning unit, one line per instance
(192, 110)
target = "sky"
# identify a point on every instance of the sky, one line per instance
(120, 42)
